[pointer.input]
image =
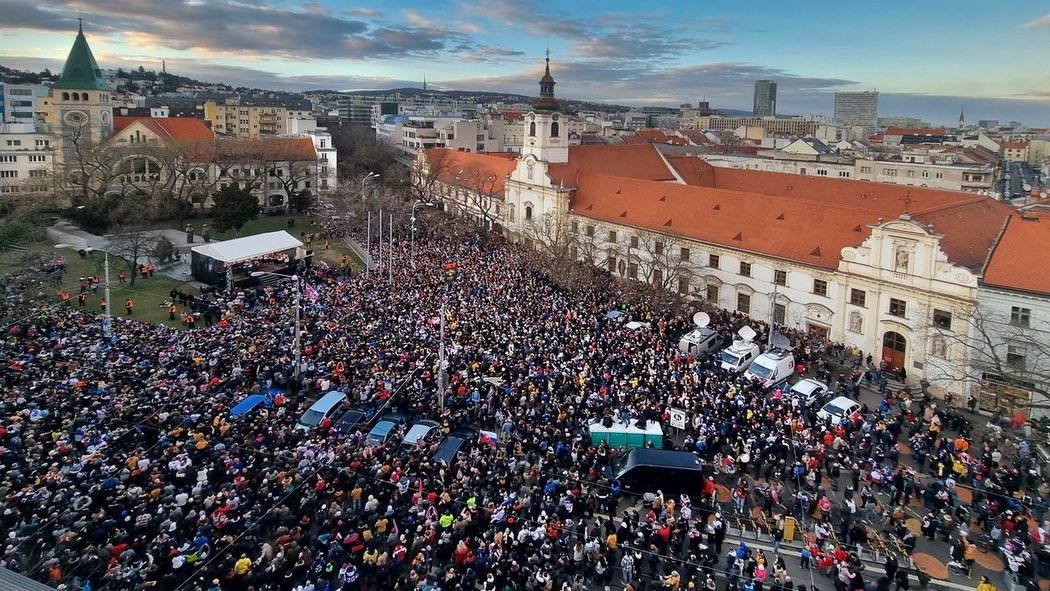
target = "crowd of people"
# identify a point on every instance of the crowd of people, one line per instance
(122, 466)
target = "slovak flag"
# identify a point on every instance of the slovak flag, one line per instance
(311, 293)
(489, 438)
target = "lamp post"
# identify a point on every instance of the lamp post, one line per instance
(107, 318)
(296, 349)
(413, 221)
(365, 179)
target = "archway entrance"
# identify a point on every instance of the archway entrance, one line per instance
(894, 346)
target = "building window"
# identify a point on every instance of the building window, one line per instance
(779, 313)
(634, 242)
(37, 158)
(612, 235)
(743, 303)
(611, 264)
(910, 174)
(780, 277)
(658, 247)
(8, 174)
(745, 269)
(632, 270)
(865, 169)
(14, 142)
(898, 308)
(658, 278)
(844, 174)
(9, 159)
(925, 174)
(822, 172)
(712, 293)
(590, 231)
(939, 176)
(683, 284)
(942, 319)
(1015, 356)
(889, 171)
(554, 129)
(713, 260)
(1020, 316)
(684, 254)
(43, 143)
(858, 297)
(820, 287)
(528, 213)
(532, 129)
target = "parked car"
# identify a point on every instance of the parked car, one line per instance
(459, 439)
(352, 419)
(838, 409)
(384, 428)
(325, 407)
(810, 392)
(425, 432)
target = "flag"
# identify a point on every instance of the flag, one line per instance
(489, 438)
(311, 293)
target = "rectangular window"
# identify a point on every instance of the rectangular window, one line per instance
(820, 287)
(780, 277)
(43, 143)
(37, 158)
(1020, 316)
(898, 308)
(684, 254)
(713, 261)
(743, 303)
(745, 269)
(1015, 356)
(939, 176)
(610, 264)
(844, 174)
(889, 171)
(779, 313)
(11, 158)
(632, 270)
(858, 297)
(590, 231)
(658, 247)
(8, 174)
(14, 142)
(683, 284)
(634, 242)
(712, 293)
(925, 174)
(942, 319)
(822, 172)
(36, 174)
(658, 278)
(575, 227)
(911, 174)
(612, 235)
(865, 169)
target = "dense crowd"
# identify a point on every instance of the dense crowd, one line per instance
(124, 468)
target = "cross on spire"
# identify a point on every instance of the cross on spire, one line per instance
(80, 26)
(907, 200)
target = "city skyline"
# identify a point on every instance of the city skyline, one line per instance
(662, 55)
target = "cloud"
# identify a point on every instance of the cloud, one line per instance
(233, 27)
(1043, 21)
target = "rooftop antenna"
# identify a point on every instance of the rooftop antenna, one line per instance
(424, 82)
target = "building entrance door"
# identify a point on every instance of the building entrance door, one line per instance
(894, 347)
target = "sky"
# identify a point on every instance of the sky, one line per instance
(929, 58)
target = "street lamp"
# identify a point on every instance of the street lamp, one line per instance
(106, 320)
(413, 220)
(297, 352)
(365, 179)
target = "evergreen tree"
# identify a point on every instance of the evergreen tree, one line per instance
(232, 207)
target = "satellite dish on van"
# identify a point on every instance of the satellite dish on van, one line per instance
(701, 319)
(747, 333)
(780, 341)
(1026, 187)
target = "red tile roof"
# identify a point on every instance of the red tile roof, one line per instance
(634, 140)
(806, 219)
(188, 132)
(1019, 258)
(474, 171)
(694, 136)
(278, 149)
(1014, 145)
(915, 131)
(640, 162)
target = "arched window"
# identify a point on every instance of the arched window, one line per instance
(528, 213)
(554, 129)
(65, 96)
(532, 129)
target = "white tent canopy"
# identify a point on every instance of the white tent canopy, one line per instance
(249, 247)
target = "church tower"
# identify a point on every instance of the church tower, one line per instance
(546, 137)
(81, 106)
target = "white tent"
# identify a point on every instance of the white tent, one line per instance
(249, 247)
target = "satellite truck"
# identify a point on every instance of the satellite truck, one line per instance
(739, 356)
(701, 339)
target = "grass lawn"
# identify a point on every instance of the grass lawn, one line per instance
(149, 295)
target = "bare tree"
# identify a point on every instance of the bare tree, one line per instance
(1006, 356)
(480, 196)
(426, 173)
(132, 240)
(660, 261)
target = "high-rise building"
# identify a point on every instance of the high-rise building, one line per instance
(765, 98)
(858, 109)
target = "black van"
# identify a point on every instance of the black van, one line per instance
(459, 439)
(642, 470)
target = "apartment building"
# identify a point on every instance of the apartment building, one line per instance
(791, 126)
(27, 159)
(233, 119)
(19, 103)
(858, 109)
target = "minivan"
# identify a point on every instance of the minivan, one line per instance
(325, 407)
(700, 340)
(771, 368)
(739, 356)
(643, 470)
(837, 410)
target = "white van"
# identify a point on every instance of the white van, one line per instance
(772, 367)
(738, 356)
(325, 407)
(837, 410)
(700, 340)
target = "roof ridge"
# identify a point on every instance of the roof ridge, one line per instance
(995, 245)
(946, 206)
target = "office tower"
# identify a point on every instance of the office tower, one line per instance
(765, 98)
(857, 109)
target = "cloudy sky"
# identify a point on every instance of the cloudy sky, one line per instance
(928, 58)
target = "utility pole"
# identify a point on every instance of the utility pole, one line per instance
(108, 320)
(380, 250)
(390, 251)
(298, 329)
(772, 309)
(442, 374)
(368, 247)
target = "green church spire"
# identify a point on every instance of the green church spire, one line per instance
(81, 71)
